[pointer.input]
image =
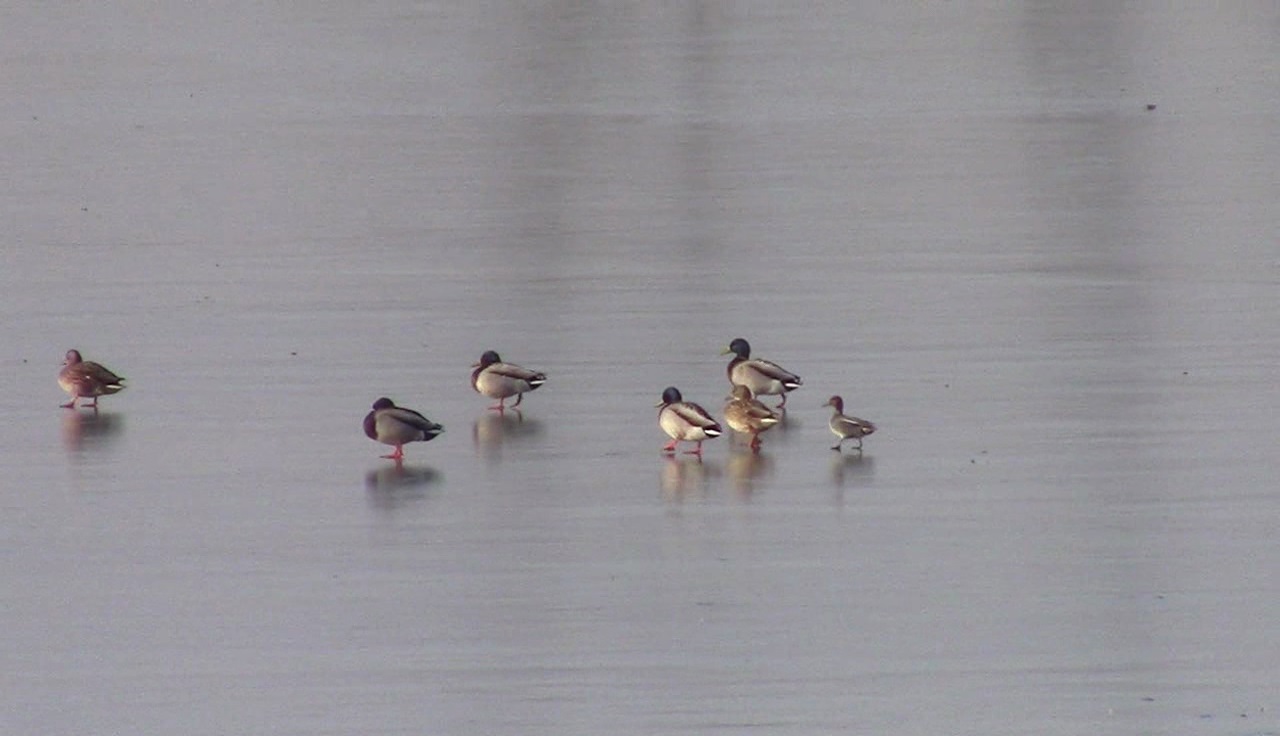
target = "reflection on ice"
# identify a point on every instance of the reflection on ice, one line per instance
(686, 477)
(397, 485)
(747, 467)
(492, 429)
(855, 468)
(84, 430)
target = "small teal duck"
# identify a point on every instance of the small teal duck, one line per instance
(499, 380)
(85, 379)
(761, 376)
(846, 427)
(397, 426)
(684, 421)
(745, 414)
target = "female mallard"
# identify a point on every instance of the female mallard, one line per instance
(745, 414)
(397, 426)
(846, 427)
(84, 378)
(684, 421)
(761, 376)
(498, 380)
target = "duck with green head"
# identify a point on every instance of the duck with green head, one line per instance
(761, 376)
(684, 421)
(397, 426)
(498, 380)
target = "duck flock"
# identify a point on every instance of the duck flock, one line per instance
(683, 421)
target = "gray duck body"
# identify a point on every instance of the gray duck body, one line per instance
(397, 426)
(761, 376)
(846, 427)
(499, 380)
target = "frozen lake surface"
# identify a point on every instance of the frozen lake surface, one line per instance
(1037, 245)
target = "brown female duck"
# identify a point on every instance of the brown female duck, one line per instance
(85, 379)
(747, 415)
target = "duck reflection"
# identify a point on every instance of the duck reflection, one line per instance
(746, 468)
(86, 430)
(685, 477)
(492, 429)
(852, 468)
(394, 486)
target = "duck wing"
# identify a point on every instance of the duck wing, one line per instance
(775, 372)
(852, 426)
(411, 418)
(694, 415)
(96, 372)
(761, 413)
(511, 370)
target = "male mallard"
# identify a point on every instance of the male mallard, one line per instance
(761, 376)
(397, 426)
(745, 414)
(846, 427)
(498, 380)
(84, 378)
(684, 421)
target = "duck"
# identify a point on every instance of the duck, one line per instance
(846, 427)
(85, 379)
(684, 421)
(397, 426)
(499, 380)
(761, 376)
(744, 413)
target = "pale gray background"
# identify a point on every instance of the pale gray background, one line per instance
(1060, 306)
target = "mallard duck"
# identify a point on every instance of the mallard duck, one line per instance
(498, 380)
(846, 427)
(397, 426)
(83, 379)
(684, 421)
(761, 376)
(745, 414)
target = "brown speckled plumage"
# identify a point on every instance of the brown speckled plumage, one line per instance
(748, 415)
